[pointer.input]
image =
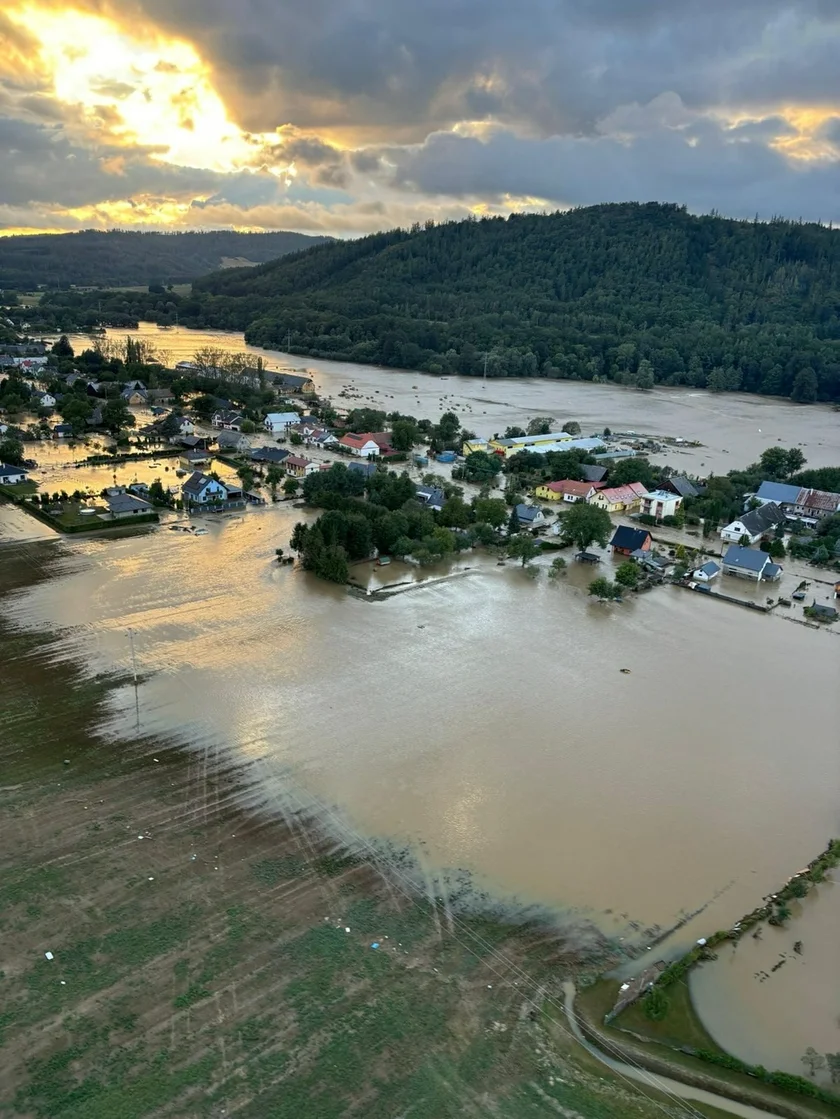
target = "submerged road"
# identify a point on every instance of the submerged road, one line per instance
(653, 1080)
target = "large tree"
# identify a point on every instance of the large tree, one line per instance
(586, 524)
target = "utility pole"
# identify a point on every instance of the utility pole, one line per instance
(134, 670)
(486, 359)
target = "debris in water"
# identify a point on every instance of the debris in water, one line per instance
(375, 944)
(626, 671)
(49, 955)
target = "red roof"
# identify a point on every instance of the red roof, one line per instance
(570, 486)
(293, 460)
(626, 494)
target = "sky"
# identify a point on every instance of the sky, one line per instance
(348, 116)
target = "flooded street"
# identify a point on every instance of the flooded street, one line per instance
(734, 428)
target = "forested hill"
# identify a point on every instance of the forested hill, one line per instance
(632, 293)
(121, 257)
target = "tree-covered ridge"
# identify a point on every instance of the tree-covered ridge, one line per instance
(639, 294)
(102, 259)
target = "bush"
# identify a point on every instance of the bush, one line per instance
(656, 1004)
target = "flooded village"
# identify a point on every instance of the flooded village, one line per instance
(553, 680)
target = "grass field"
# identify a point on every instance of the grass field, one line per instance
(201, 963)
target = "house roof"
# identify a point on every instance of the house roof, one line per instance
(626, 494)
(745, 559)
(820, 499)
(630, 539)
(6, 469)
(772, 570)
(779, 492)
(227, 417)
(366, 468)
(683, 486)
(761, 519)
(432, 495)
(594, 473)
(291, 380)
(295, 460)
(196, 482)
(662, 495)
(525, 514)
(126, 503)
(572, 487)
(710, 568)
(282, 418)
(823, 611)
(269, 454)
(229, 438)
(351, 439)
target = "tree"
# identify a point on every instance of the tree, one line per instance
(490, 510)
(11, 451)
(274, 476)
(247, 427)
(481, 467)
(76, 410)
(813, 1060)
(158, 495)
(116, 416)
(601, 588)
(656, 1004)
(296, 439)
(572, 427)
(586, 524)
(455, 513)
(300, 534)
(805, 387)
(246, 477)
(448, 428)
(833, 1062)
(796, 460)
(290, 487)
(514, 432)
(558, 567)
(633, 470)
(513, 524)
(774, 548)
(331, 563)
(403, 435)
(777, 462)
(644, 378)
(541, 425)
(62, 348)
(627, 575)
(523, 547)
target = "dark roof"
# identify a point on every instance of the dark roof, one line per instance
(780, 492)
(710, 568)
(823, 611)
(527, 513)
(594, 473)
(126, 503)
(746, 559)
(682, 485)
(290, 380)
(6, 469)
(431, 495)
(761, 519)
(196, 482)
(630, 539)
(366, 468)
(269, 454)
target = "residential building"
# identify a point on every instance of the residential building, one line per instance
(660, 503)
(192, 460)
(628, 540)
(431, 496)
(680, 485)
(566, 490)
(227, 419)
(822, 613)
(201, 489)
(296, 466)
(62, 431)
(514, 444)
(747, 563)
(138, 385)
(366, 444)
(269, 455)
(471, 445)
(125, 506)
(11, 475)
(136, 397)
(43, 400)
(139, 489)
(799, 502)
(707, 572)
(620, 499)
(278, 423)
(232, 441)
(594, 474)
(753, 525)
(651, 561)
(291, 383)
(529, 516)
(366, 468)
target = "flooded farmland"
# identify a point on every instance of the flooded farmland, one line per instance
(483, 723)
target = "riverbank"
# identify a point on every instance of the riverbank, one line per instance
(170, 946)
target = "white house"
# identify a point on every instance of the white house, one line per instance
(754, 524)
(748, 563)
(278, 423)
(11, 475)
(707, 572)
(660, 503)
(45, 399)
(201, 489)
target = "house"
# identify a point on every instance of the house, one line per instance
(754, 524)
(313, 435)
(136, 397)
(124, 506)
(278, 423)
(291, 383)
(159, 396)
(296, 466)
(799, 501)
(139, 489)
(628, 540)
(192, 460)
(269, 455)
(470, 446)
(707, 572)
(661, 503)
(11, 475)
(651, 561)
(62, 431)
(822, 613)
(227, 420)
(680, 485)
(515, 444)
(566, 490)
(619, 499)
(232, 441)
(364, 445)
(594, 474)
(365, 468)
(134, 386)
(431, 497)
(529, 516)
(43, 400)
(201, 489)
(194, 442)
(747, 563)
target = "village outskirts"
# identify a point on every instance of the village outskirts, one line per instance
(222, 433)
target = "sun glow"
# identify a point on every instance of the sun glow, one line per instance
(150, 91)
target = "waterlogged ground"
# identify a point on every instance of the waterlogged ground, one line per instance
(208, 959)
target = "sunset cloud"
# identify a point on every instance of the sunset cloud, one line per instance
(346, 118)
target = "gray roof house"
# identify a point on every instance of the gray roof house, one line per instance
(123, 506)
(11, 475)
(594, 473)
(269, 455)
(231, 441)
(754, 524)
(529, 516)
(431, 496)
(750, 564)
(707, 572)
(679, 484)
(365, 468)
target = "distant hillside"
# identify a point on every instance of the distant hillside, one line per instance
(639, 294)
(122, 258)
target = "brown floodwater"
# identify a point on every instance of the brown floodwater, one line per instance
(483, 722)
(734, 428)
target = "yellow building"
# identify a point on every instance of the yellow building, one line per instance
(518, 443)
(620, 499)
(567, 490)
(472, 445)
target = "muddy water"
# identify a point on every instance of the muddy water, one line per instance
(734, 428)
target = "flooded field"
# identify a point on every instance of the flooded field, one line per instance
(482, 723)
(734, 428)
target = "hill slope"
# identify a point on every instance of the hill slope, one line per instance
(121, 257)
(628, 292)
